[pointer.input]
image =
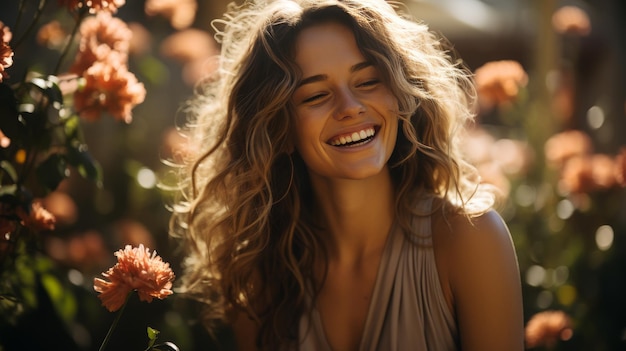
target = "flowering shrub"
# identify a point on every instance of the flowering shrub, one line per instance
(41, 138)
(548, 140)
(40, 129)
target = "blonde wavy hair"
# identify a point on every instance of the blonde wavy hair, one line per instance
(244, 215)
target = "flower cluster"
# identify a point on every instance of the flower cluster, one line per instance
(40, 133)
(582, 170)
(41, 138)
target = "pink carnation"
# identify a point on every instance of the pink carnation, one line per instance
(108, 88)
(136, 270)
(102, 38)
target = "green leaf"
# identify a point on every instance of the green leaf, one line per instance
(9, 123)
(51, 89)
(153, 334)
(52, 171)
(15, 196)
(63, 301)
(9, 170)
(87, 166)
(72, 129)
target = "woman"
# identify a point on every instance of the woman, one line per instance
(329, 207)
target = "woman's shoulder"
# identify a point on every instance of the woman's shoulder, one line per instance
(477, 265)
(459, 237)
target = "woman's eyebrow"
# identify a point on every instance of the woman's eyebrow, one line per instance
(321, 77)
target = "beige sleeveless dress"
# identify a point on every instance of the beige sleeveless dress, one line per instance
(408, 310)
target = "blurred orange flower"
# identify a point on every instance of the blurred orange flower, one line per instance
(194, 49)
(136, 270)
(109, 88)
(180, 13)
(93, 5)
(571, 20)
(52, 35)
(547, 328)
(498, 82)
(38, 218)
(5, 33)
(561, 146)
(4, 140)
(102, 38)
(586, 173)
(141, 40)
(6, 56)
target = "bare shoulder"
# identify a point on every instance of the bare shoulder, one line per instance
(478, 268)
(458, 237)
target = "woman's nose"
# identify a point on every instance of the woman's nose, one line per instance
(348, 105)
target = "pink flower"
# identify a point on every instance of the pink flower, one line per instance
(6, 59)
(52, 35)
(136, 270)
(38, 218)
(5, 33)
(571, 20)
(109, 88)
(498, 82)
(547, 328)
(100, 36)
(93, 5)
(564, 145)
(180, 13)
(4, 140)
(194, 49)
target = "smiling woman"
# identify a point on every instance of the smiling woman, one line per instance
(328, 207)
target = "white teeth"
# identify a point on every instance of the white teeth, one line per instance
(354, 137)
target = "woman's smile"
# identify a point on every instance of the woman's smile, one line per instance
(353, 139)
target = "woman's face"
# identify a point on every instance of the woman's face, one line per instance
(346, 116)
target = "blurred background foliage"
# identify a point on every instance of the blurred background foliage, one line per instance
(550, 134)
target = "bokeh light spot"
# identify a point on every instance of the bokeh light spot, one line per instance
(595, 117)
(604, 237)
(564, 209)
(146, 178)
(535, 275)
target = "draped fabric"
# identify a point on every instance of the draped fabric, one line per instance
(408, 310)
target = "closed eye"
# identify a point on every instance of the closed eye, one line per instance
(369, 83)
(313, 98)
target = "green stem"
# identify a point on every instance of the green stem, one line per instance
(81, 16)
(33, 23)
(114, 324)
(20, 13)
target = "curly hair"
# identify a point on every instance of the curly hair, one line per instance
(244, 212)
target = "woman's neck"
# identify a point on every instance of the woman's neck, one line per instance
(356, 215)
